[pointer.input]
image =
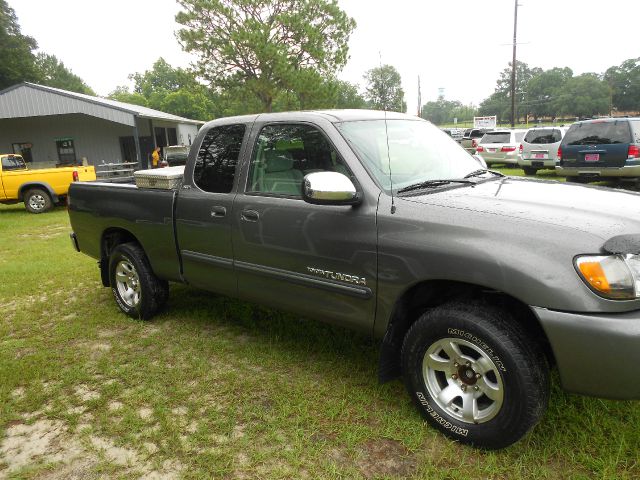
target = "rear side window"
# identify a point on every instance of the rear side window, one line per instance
(217, 159)
(12, 162)
(544, 135)
(496, 137)
(519, 136)
(598, 133)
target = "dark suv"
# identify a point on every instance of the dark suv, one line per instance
(600, 148)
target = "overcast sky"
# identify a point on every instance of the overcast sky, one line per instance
(460, 46)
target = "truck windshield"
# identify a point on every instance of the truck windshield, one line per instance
(418, 151)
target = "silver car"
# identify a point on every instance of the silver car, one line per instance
(500, 146)
(539, 149)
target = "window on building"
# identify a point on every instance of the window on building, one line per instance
(284, 154)
(172, 134)
(66, 151)
(217, 159)
(23, 149)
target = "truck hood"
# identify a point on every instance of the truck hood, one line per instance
(599, 211)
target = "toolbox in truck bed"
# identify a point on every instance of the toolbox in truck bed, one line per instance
(168, 178)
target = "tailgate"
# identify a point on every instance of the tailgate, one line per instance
(598, 156)
(86, 174)
(599, 144)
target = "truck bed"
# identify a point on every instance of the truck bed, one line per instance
(146, 213)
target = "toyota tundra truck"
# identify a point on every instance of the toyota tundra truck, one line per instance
(475, 283)
(39, 189)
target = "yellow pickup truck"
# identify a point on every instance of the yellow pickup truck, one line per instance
(38, 189)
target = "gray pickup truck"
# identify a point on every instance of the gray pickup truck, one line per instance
(475, 283)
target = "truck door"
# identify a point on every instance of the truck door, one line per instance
(317, 260)
(204, 210)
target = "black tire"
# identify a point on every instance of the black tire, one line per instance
(37, 200)
(576, 180)
(529, 170)
(520, 372)
(130, 273)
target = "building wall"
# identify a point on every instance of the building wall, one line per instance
(96, 139)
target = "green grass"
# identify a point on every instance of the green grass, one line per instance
(217, 388)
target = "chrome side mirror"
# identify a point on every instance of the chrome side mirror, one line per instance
(329, 188)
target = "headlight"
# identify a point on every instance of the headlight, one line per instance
(613, 276)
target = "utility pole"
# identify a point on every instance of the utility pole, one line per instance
(513, 67)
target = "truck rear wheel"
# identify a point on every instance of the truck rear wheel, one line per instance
(475, 375)
(136, 289)
(37, 200)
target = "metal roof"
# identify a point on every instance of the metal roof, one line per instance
(31, 100)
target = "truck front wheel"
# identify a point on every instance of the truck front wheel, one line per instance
(136, 289)
(36, 200)
(474, 374)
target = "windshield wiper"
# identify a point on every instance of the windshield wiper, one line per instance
(434, 183)
(481, 171)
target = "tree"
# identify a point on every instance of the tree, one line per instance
(347, 95)
(122, 94)
(53, 73)
(172, 90)
(583, 96)
(624, 84)
(544, 88)
(499, 102)
(384, 89)
(265, 46)
(444, 111)
(17, 60)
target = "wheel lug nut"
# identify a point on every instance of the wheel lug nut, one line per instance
(476, 388)
(468, 364)
(478, 375)
(455, 364)
(464, 388)
(454, 376)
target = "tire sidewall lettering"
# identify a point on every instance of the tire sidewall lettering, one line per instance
(444, 423)
(470, 337)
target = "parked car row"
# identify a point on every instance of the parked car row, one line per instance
(585, 151)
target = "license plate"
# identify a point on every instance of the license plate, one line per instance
(491, 150)
(540, 155)
(591, 157)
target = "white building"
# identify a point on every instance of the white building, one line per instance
(50, 127)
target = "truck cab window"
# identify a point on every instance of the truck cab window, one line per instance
(12, 162)
(284, 154)
(215, 166)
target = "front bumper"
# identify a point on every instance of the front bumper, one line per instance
(626, 171)
(597, 354)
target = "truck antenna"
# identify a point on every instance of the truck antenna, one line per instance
(386, 131)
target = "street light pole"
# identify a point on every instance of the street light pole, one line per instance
(513, 67)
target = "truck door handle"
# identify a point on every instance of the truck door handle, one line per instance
(218, 211)
(250, 215)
